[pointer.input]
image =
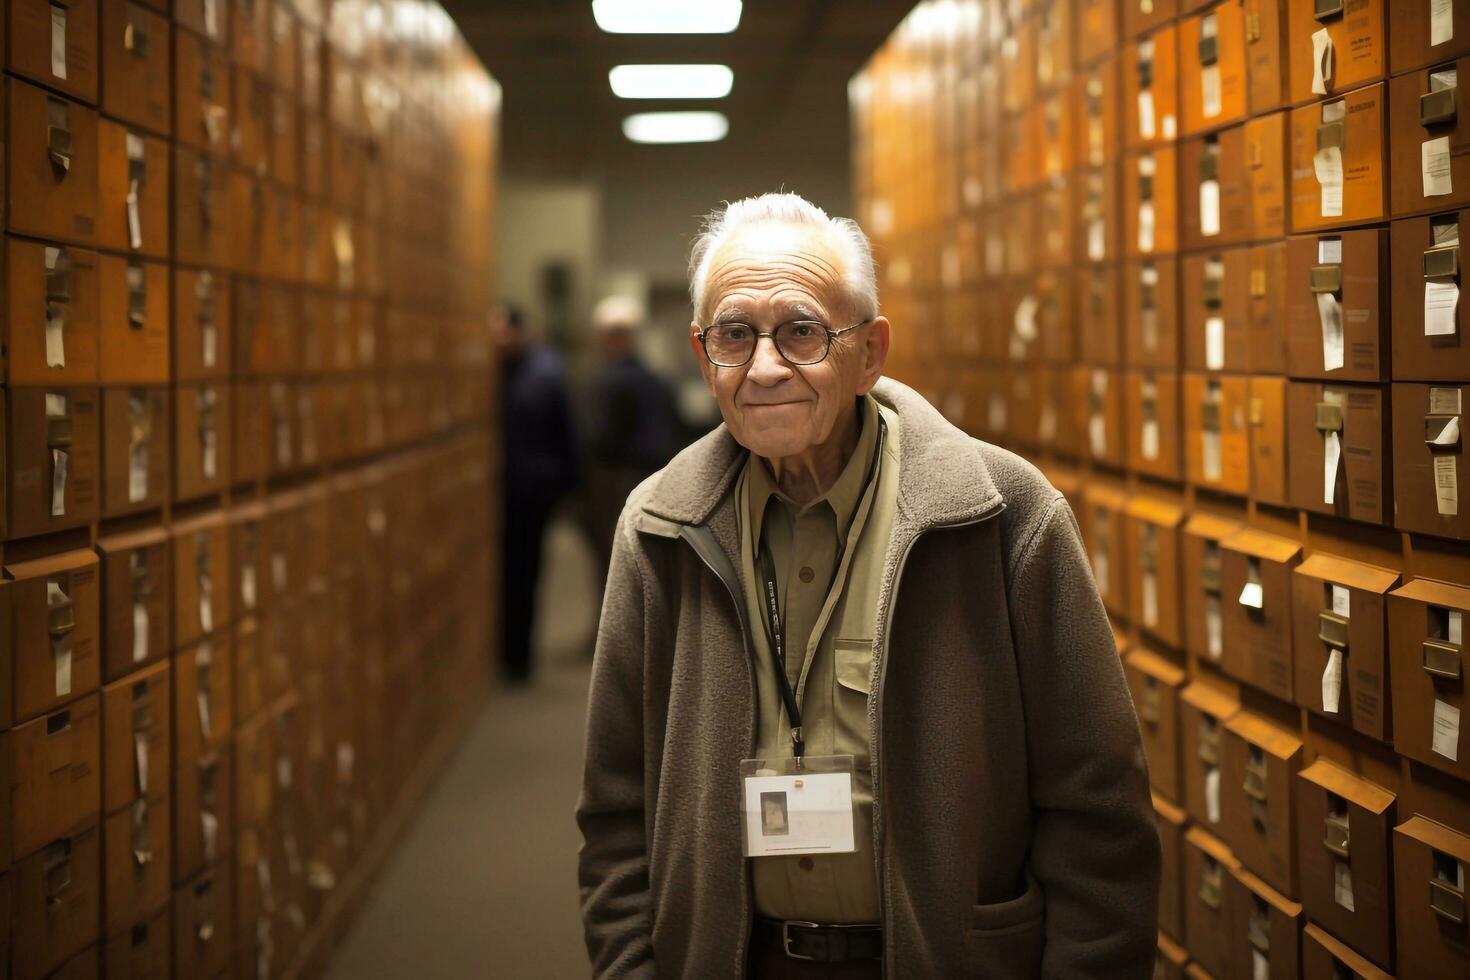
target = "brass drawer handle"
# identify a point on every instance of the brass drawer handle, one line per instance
(1447, 901)
(1442, 660)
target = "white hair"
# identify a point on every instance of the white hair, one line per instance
(846, 238)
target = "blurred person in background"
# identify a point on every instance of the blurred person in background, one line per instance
(631, 423)
(541, 467)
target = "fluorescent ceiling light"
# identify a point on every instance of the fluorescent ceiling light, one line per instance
(671, 81)
(667, 16)
(676, 127)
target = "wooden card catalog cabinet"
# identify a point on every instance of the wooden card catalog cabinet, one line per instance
(1207, 866)
(133, 191)
(1217, 438)
(1098, 136)
(1203, 712)
(136, 600)
(1337, 161)
(1260, 766)
(1341, 641)
(57, 785)
(1429, 321)
(1266, 54)
(1152, 526)
(1324, 957)
(1431, 863)
(1212, 75)
(1256, 592)
(135, 853)
(143, 951)
(1216, 310)
(202, 935)
(56, 44)
(1335, 45)
(1214, 188)
(202, 807)
(1153, 422)
(136, 762)
(1266, 140)
(1430, 459)
(1337, 306)
(1151, 203)
(1426, 631)
(1202, 583)
(1171, 960)
(1425, 32)
(134, 321)
(135, 441)
(1340, 462)
(1430, 139)
(1343, 824)
(1151, 312)
(201, 439)
(1267, 419)
(201, 577)
(1171, 820)
(1154, 682)
(1266, 349)
(1151, 89)
(136, 78)
(57, 905)
(54, 623)
(1098, 405)
(51, 153)
(1265, 928)
(1099, 306)
(1106, 546)
(51, 314)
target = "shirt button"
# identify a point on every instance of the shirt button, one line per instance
(805, 574)
(807, 864)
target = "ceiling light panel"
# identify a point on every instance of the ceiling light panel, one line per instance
(667, 16)
(676, 127)
(671, 81)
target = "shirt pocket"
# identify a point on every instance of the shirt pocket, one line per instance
(852, 662)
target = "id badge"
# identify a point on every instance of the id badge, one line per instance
(798, 809)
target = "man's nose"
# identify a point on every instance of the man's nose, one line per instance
(767, 366)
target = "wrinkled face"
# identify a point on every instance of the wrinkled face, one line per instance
(764, 277)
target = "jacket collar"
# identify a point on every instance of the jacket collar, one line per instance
(942, 478)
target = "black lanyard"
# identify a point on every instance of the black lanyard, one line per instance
(776, 634)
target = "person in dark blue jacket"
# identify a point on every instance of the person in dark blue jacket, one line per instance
(632, 425)
(541, 467)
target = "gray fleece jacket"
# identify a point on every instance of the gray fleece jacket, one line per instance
(1013, 830)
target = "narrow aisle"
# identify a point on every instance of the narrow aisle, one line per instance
(484, 882)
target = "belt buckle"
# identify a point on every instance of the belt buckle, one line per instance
(786, 938)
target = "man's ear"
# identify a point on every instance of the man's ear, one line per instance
(875, 353)
(706, 369)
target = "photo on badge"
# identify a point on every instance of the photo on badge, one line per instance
(774, 821)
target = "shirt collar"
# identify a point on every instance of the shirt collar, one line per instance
(843, 497)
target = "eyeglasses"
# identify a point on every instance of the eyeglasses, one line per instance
(801, 342)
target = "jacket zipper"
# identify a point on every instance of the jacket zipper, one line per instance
(881, 669)
(692, 535)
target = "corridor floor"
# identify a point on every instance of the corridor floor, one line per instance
(484, 882)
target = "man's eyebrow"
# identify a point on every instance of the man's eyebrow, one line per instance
(731, 314)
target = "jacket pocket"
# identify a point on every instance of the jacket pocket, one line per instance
(852, 669)
(1006, 939)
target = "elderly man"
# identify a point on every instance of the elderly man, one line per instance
(856, 709)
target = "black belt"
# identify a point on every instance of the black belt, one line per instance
(825, 944)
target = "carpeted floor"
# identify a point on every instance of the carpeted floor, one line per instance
(484, 882)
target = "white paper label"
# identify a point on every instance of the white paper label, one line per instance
(1209, 207)
(58, 41)
(1434, 164)
(1212, 794)
(1332, 681)
(211, 18)
(1327, 162)
(1440, 302)
(1321, 61)
(1209, 84)
(1329, 313)
(1446, 486)
(140, 632)
(1097, 434)
(1260, 966)
(1341, 600)
(1450, 434)
(1441, 21)
(1024, 320)
(206, 604)
(1453, 632)
(1214, 627)
(247, 585)
(1146, 114)
(1444, 401)
(1169, 127)
(58, 482)
(1150, 599)
(1210, 450)
(1149, 443)
(55, 336)
(140, 760)
(1342, 884)
(1331, 457)
(1252, 595)
(209, 829)
(135, 225)
(61, 655)
(1215, 343)
(1446, 730)
(1097, 243)
(1146, 226)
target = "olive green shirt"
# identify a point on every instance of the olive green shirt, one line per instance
(829, 558)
